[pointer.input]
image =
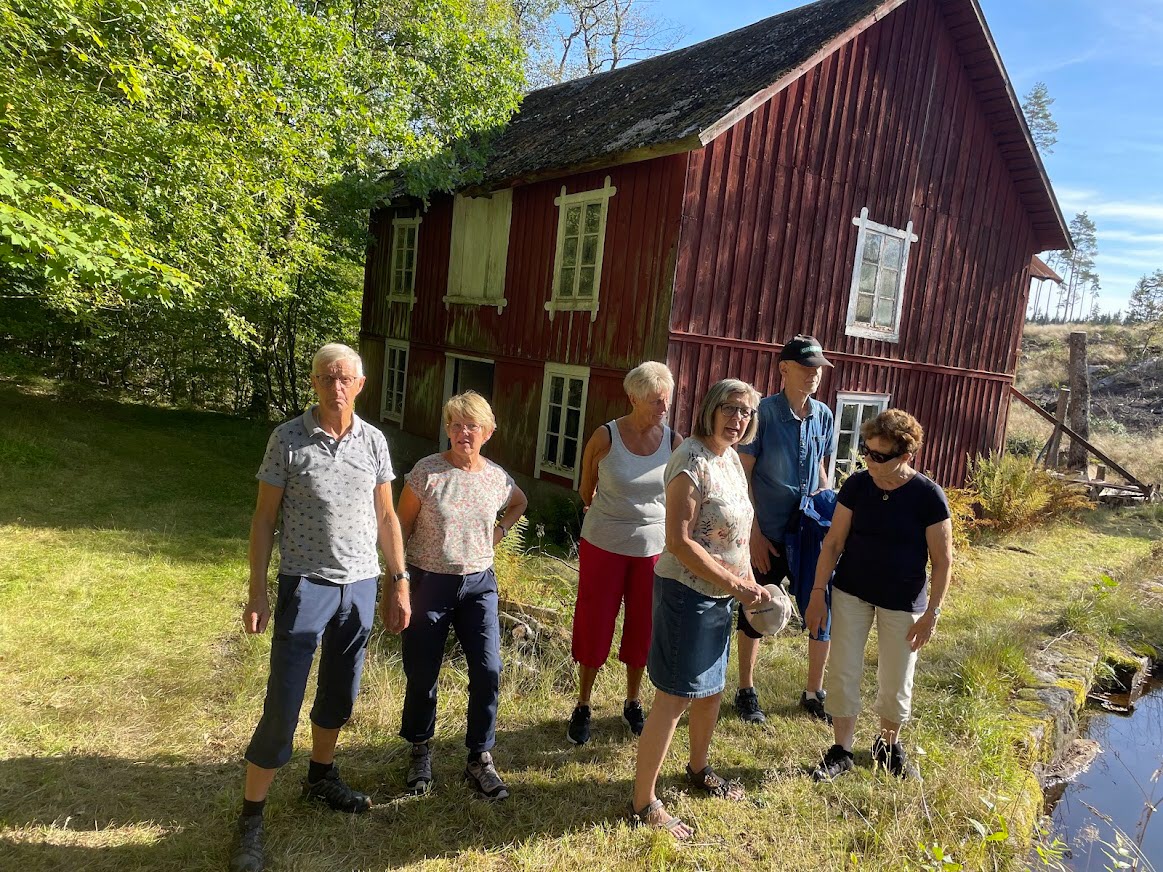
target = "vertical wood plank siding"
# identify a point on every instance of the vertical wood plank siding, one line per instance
(890, 121)
(638, 267)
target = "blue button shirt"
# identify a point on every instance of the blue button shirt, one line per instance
(787, 454)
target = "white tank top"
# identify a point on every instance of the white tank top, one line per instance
(628, 513)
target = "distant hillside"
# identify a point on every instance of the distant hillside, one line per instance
(1126, 384)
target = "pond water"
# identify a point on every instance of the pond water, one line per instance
(1123, 788)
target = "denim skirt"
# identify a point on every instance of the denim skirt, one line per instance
(690, 641)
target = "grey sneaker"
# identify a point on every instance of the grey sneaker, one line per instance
(419, 778)
(747, 705)
(814, 705)
(482, 775)
(249, 855)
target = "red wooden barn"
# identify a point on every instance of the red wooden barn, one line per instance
(855, 169)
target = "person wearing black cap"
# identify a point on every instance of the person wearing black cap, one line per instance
(785, 465)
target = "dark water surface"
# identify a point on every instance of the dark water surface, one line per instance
(1124, 785)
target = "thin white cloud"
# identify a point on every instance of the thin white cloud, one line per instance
(1132, 236)
(1096, 206)
(1038, 71)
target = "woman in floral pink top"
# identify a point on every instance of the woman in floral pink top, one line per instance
(454, 508)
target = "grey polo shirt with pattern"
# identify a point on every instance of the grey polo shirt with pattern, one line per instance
(329, 526)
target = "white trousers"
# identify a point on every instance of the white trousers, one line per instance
(852, 621)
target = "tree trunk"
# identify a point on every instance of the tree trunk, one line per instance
(1079, 400)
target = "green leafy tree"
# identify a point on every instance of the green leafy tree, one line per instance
(1043, 127)
(185, 185)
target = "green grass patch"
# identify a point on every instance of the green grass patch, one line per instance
(128, 692)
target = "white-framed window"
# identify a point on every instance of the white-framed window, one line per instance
(402, 274)
(395, 379)
(878, 279)
(581, 241)
(852, 410)
(479, 250)
(563, 412)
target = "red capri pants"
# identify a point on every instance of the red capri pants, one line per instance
(606, 579)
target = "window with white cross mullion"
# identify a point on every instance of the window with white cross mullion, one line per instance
(878, 279)
(581, 235)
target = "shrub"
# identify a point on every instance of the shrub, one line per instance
(1014, 493)
(962, 502)
(1023, 444)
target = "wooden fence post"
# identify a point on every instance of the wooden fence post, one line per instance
(1056, 437)
(1079, 401)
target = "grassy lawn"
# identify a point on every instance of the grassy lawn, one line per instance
(128, 691)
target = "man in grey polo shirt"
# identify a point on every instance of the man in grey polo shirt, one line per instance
(329, 474)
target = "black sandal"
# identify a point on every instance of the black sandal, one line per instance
(714, 784)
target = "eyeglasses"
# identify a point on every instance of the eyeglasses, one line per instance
(879, 456)
(457, 427)
(731, 410)
(328, 380)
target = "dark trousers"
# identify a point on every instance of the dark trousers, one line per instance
(309, 612)
(468, 604)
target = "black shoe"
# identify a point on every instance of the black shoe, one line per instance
(419, 778)
(633, 716)
(579, 725)
(332, 791)
(835, 763)
(747, 705)
(894, 760)
(814, 706)
(249, 855)
(482, 775)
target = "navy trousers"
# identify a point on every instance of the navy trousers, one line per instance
(309, 611)
(467, 604)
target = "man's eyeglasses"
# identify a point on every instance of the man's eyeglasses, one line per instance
(457, 427)
(328, 380)
(879, 456)
(731, 410)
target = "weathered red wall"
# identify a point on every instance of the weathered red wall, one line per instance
(634, 300)
(891, 122)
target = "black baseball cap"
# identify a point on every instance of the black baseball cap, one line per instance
(805, 350)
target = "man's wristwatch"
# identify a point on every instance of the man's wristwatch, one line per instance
(936, 610)
(400, 576)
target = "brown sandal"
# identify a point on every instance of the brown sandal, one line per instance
(657, 817)
(715, 785)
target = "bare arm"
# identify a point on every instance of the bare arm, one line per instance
(682, 508)
(939, 538)
(817, 611)
(824, 484)
(597, 448)
(395, 597)
(762, 549)
(257, 612)
(515, 508)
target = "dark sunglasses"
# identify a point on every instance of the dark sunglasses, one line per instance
(878, 456)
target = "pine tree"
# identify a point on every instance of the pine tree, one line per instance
(1146, 303)
(1043, 127)
(1077, 268)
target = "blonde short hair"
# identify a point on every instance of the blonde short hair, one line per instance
(720, 393)
(898, 426)
(647, 378)
(336, 352)
(472, 407)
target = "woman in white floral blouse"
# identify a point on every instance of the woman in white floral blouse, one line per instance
(705, 567)
(454, 508)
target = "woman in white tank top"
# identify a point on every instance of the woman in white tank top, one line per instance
(621, 538)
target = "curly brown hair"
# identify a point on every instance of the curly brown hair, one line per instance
(898, 426)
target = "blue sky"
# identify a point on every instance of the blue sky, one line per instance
(1102, 61)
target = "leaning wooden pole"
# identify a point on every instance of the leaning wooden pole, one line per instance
(1077, 457)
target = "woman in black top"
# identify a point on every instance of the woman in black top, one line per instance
(890, 522)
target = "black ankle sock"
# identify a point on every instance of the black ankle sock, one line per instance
(474, 756)
(316, 772)
(252, 807)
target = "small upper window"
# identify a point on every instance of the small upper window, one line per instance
(852, 410)
(402, 278)
(878, 279)
(479, 249)
(581, 237)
